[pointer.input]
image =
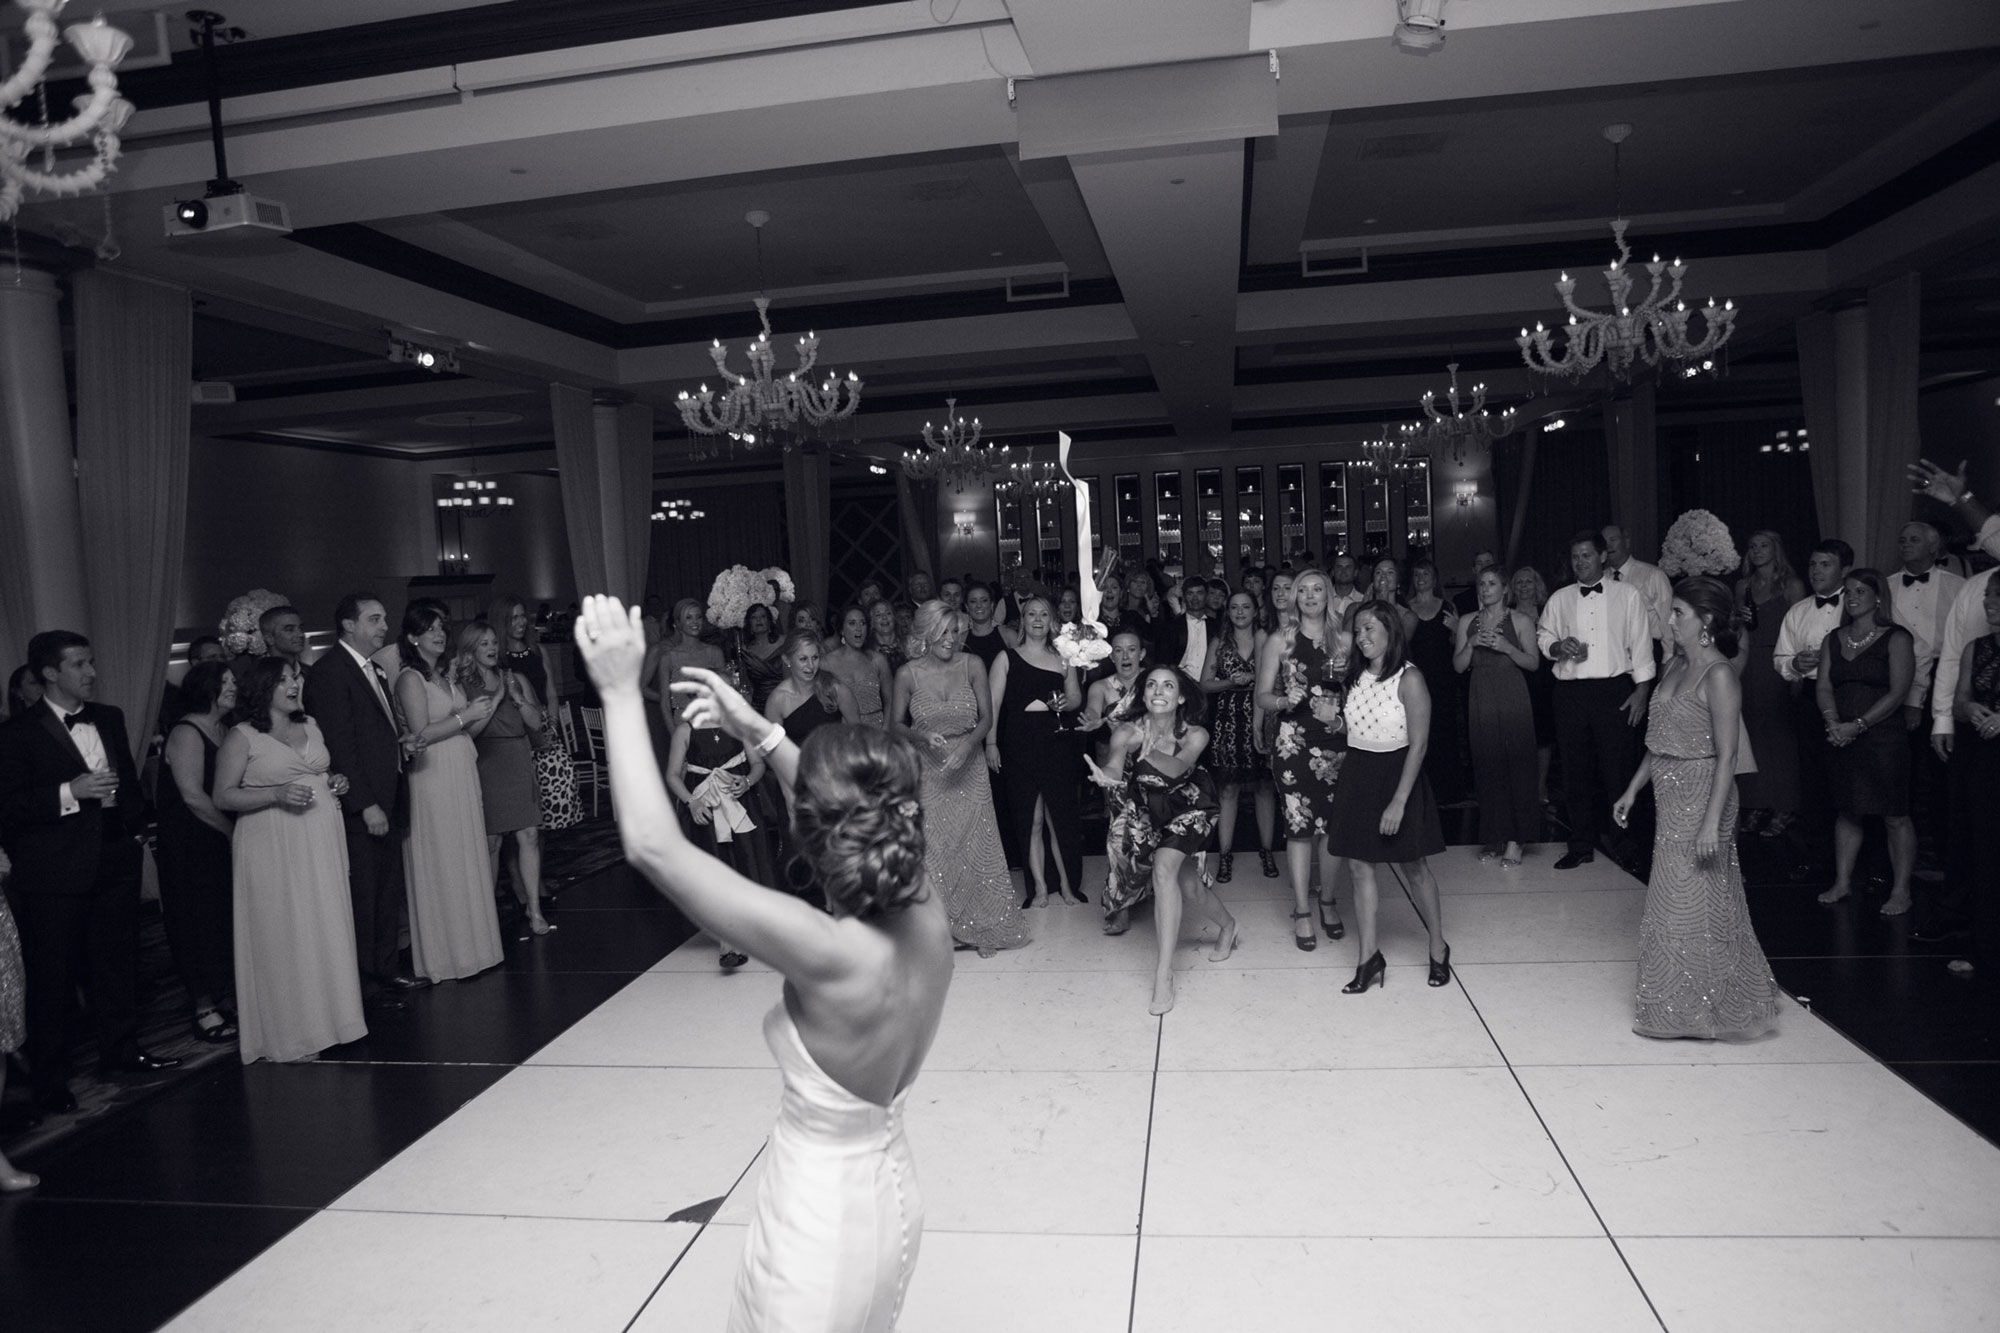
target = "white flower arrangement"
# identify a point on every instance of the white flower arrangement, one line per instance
(1699, 543)
(1083, 644)
(238, 627)
(787, 591)
(736, 590)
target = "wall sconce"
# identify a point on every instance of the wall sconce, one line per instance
(1463, 493)
(962, 522)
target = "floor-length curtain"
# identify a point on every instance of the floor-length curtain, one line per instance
(809, 538)
(916, 504)
(1818, 376)
(1894, 311)
(134, 361)
(604, 459)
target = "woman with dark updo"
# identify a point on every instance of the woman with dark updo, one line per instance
(839, 1217)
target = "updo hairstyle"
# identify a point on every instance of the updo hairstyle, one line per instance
(933, 621)
(858, 823)
(1715, 607)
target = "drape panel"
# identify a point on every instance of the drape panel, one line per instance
(604, 459)
(916, 505)
(744, 525)
(41, 546)
(1894, 318)
(1818, 374)
(134, 361)
(808, 536)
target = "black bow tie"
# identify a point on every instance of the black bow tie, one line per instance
(1821, 603)
(1912, 580)
(1616, 577)
(1595, 587)
(74, 720)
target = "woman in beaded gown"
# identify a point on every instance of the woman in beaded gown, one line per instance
(943, 704)
(839, 1216)
(1300, 680)
(1702, 973)
(13, 1021)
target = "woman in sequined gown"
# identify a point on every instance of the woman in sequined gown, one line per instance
(13, 1021)
(1701, 971)
(839, 1215)
(943, 704)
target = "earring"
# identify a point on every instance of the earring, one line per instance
(1704, 638)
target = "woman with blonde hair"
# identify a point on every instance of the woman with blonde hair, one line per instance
(506, 764)
(944, 706)
(1765, 589)
(1032, 688)
(1301, 680)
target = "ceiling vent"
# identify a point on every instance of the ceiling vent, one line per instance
(1404, 145)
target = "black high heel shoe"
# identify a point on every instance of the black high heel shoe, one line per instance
(1308, 941)
(1441, 969)
(1269, 863)
(1225, 868)
(1329, 916)
(1374, 971)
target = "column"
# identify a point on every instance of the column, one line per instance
(41, 524)
(1635, 469)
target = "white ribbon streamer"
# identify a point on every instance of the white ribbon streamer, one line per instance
(1087, 590)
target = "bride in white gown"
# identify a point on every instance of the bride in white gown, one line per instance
(839, 1216)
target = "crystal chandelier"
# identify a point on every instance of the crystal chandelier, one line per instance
(100, 113)
(956, 459)
(1029, 480)
(474, 497)
(1459, 426)
(1654, 329)
(759, 404)
(680, 510)
(1389, 459)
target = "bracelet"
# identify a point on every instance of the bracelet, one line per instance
(772, 740)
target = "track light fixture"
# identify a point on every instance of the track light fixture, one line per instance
(437, 360)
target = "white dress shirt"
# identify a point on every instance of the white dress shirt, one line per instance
(1653, 585)
(1337, 604)
(1196, 652)
(368, 669)
(1987, 538)
(91, 745)
(1966, 622)
(1922, 608)
(1612, 622)
(1804, 630)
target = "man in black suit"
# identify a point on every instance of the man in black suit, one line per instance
(1184, 639)
(71, 816)
(348, 695)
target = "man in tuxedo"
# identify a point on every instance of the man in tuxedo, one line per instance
(348, 695)
(71, 816)
(1182, 640)
(1599, 636)
(1800, 636)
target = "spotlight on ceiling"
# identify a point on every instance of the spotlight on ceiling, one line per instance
(437, 360)
(193, 213)
(1420, 25)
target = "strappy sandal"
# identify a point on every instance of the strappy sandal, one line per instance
(1308, 941)
(212, 1027)
(1335, 928)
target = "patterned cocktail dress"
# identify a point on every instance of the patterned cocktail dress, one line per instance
(1701, 970)
(1307, 753)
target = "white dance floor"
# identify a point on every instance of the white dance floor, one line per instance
(1272, 1155)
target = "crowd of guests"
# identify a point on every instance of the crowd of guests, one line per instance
(302, 815)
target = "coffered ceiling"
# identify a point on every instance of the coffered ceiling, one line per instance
(560, 192)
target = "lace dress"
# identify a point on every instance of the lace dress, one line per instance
(1232, 738)
(1701, 970)
(839, 1218)
(1307, 754)
(962, 857)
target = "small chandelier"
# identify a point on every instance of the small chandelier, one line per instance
(1389, 459)
(956, 459)
(1653, 330)
(680, 510)
(100, 113)
(757, 405)
(475, 497)
(1029, 480)
(1459, 426)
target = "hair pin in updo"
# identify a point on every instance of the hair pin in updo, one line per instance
(907, 808)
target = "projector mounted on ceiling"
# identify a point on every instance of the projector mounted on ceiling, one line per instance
(1420, 25)
(227, 212)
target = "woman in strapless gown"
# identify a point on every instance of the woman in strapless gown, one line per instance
(1701, 971)
(946, 699)
(839, 1216)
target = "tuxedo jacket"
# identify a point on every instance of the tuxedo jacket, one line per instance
(363, 744)
(1170, 637)
(54, 853)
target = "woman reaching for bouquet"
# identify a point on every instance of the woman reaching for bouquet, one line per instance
(1154, 765)
(839, 1218)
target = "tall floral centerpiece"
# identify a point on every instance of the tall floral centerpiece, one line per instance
(739, 587)
(1699, 543)
(238, 629)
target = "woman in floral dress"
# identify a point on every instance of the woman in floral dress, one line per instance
(1299, 679)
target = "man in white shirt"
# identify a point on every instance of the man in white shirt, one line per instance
(1801, 635)
(1345, 594)
(1182, 639)
(1597, 633)
(1621, 566)
(1921, 595)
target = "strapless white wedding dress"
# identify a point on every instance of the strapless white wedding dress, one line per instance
(839, 1216)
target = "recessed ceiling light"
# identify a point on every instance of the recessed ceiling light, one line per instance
(1369, 222)
(1178, 180)
(517, 171)
(996, 253)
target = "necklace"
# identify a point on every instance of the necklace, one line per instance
(1858, 644)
